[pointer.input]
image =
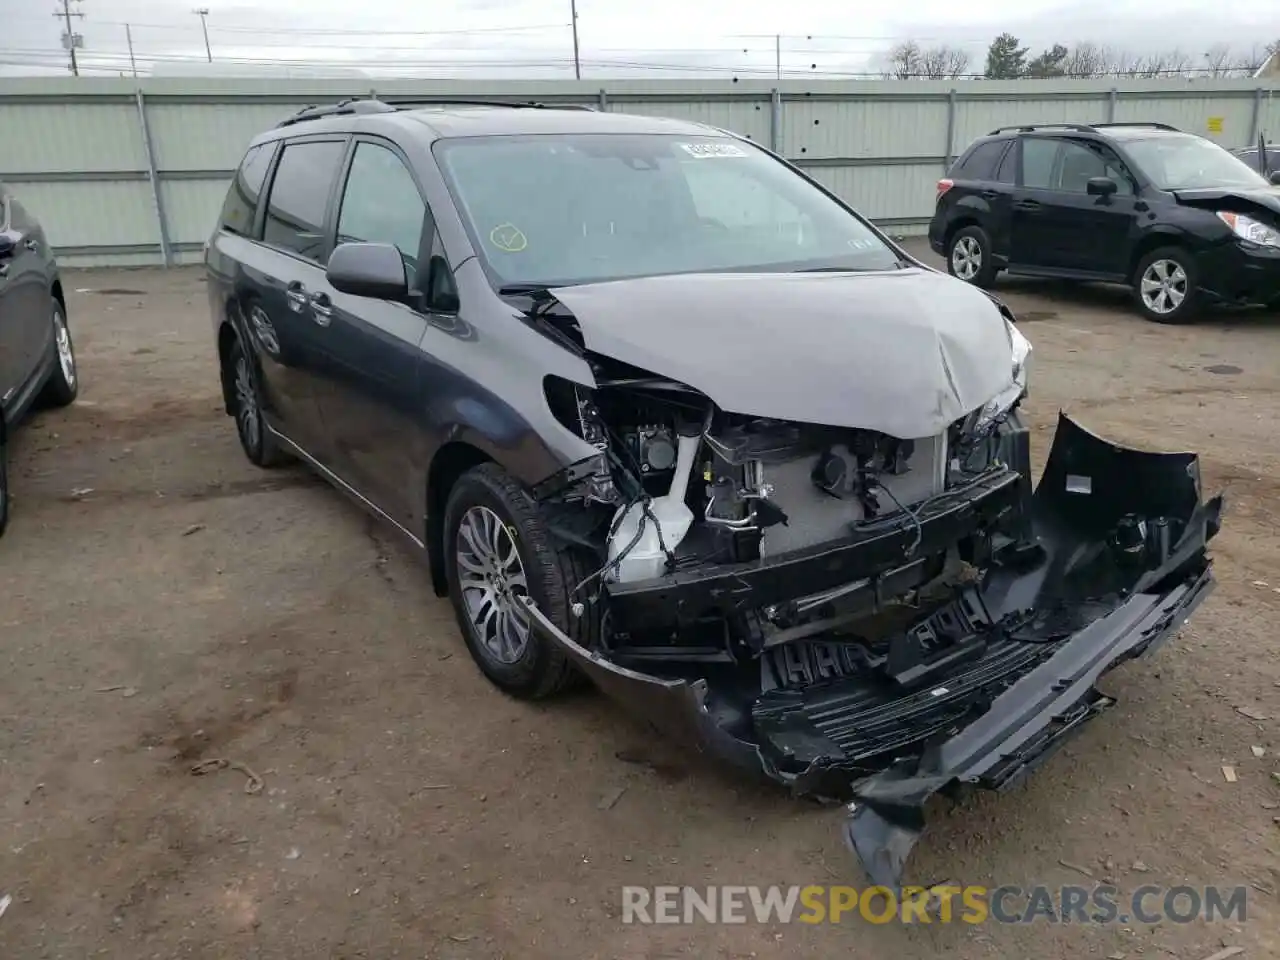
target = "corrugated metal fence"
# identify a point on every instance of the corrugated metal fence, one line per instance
(134, 171)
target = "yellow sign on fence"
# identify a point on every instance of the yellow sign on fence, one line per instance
(1215, 124)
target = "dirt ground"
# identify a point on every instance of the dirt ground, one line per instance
(165, 602)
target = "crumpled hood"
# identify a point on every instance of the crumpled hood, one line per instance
(1219, 198)
(905, 352)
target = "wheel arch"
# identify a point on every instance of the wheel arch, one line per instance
(59, 294)
(450, 462)
(1154, 240)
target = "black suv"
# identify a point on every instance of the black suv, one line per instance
(1171, 214)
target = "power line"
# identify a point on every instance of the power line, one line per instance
(71, 38)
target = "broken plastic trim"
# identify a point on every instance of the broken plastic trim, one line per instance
(1026, 722)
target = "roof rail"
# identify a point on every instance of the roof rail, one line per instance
(360, 105)
(1138, 123)
(1029, 127)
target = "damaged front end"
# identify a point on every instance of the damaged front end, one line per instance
(861, 617)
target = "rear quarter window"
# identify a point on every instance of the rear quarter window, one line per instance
(241, 204)
(980, 163)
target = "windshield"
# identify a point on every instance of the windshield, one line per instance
(554, 210)
(1187, 163)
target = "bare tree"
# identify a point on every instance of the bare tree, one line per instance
(938, 63)
(904, 60)
(1085, 60)
(1251, 62)
(1121, 63)
(1219, 61)
(1166, 64)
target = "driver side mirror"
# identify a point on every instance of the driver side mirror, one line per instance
(374, 270)
(1101, 187)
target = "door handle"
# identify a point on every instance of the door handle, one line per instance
(322, 308)
(990, 194)
(296, 294)
(1027, 205)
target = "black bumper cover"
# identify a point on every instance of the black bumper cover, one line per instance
(1088, 484)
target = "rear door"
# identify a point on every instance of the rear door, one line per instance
(286, 270)
(984, 184)
(25, 318)
(370, 398)
(1057, 226)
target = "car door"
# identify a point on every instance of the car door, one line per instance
(25, 325)
(370, 396)
(1058, 226)
(285, 271)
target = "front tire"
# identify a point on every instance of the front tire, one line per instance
(496, 550)
(969, 257)
(64, 383)
(258, 443)
(1164, 286)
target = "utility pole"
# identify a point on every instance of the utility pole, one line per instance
(128, 36)
(71, 39)
(203, 12)
(777, 54)
(577, 64)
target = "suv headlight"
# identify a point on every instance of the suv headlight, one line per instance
(1247, 228)
(1001, 403)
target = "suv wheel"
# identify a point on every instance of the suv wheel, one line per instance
(497, 551)
(258, 443)
(969, 257)
(1164, 286)
(64, 382)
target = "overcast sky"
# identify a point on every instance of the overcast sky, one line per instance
(658, 38)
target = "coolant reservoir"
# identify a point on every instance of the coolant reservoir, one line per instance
(667, 523)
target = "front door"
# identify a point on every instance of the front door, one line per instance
(1057, 224)
(287, 269)
(370, 398)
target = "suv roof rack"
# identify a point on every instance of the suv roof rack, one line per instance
(1081, 127)
(361, 105)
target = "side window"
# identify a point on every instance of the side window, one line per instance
(981, 162)
(381, 203)
(1038, 154)
(242, 198)
(300, 195)
(1008, 165)
(1080, 163)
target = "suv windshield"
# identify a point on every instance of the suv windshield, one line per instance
(561, 209)
(1187, 163)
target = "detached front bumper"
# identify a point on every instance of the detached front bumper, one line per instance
(1057, 625)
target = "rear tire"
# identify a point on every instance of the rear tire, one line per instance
(1164, 286)
(496, 549)
(64, 383)
(969, 257)
(258, 443)
(4, 481)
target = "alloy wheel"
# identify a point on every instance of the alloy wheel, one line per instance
(1163, 286)
(66, 355)
(492, 581)
(966, 258)
(248, 417)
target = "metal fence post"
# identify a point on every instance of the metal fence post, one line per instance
(602, 101)
(153, 175)
(1255, 128)
(775, 119)
(1112, 97)
(951, 130)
